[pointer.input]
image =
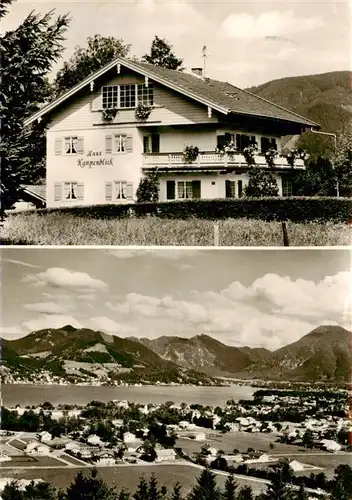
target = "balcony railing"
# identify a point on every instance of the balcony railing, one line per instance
(210, 159)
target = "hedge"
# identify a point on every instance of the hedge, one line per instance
(295, 209)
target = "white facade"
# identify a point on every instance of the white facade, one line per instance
(165, 455)
(93, 161)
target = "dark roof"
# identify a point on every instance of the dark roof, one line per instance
(236, 100)
(37, 191)
(222, 96)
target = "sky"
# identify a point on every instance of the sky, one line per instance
(248, 43)
(260, 298)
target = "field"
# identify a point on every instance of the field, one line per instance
(19, 461)
(63, 229)
(128, 476)
(240, 441)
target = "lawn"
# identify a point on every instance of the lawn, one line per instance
(19, 461)
(128, 476)
(240, 441)
(63, 229)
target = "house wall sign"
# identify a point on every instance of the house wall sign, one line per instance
(95, 159)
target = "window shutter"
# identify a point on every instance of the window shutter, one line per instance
(129, 144)
(67, 188)
(129, 190)
(80, 191)
(253, 141)
(238, 142)
(170, 190)
(58, 146)
(108, 144)
(220, 141)
(196, 189)
(240, 188)
(57, 191)
(108, 191)
(146, 148)
(274, 144)
(80, 145)
(155, 143)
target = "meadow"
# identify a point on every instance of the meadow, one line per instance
(128, 476)
(65, 229)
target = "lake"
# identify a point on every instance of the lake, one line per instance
(28, 395)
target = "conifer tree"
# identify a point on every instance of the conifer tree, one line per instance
(26, 56)
(230, 488)
(176, 494)
(206, 488)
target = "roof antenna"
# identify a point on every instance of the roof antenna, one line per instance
(204, 55)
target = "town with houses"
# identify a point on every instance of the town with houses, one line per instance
(246, 437)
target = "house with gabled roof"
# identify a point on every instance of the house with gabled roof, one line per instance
(130, 117)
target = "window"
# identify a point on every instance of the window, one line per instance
(118, 143)
(230, 189)
(68, 191)
(151, 143)
(71, 145)
(110, 96)
(127, 96)
(118, 191)
(183, 190)
(145, 94)
(266, 143)
(286, 187)
(243, 141)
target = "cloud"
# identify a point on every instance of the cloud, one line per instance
(50, 321)
(273, 24)
(45, 308)
(64, 278)
(12, 332)
(107, 325)
(270, 312)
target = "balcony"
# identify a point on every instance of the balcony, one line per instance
(210, 160)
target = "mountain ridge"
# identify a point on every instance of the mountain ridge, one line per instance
(321, 354)
(325, 98)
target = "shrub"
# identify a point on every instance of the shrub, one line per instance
(148, 189)
(261, 183)
(295, 209)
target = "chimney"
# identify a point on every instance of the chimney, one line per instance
(197, 71)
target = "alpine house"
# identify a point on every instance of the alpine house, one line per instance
(130, 117)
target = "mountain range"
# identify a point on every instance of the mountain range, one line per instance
(324, 98)
(321, 355)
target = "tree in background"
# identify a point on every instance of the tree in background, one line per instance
(261, 183)
(100, 51)
(39, 491)
(230, 488)
(27, 54)
(342, 162)
(90, 488)
(161, 55)
(148, 188)
(176, 494)
(316, 180)
(206, 488)
(245, 493)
